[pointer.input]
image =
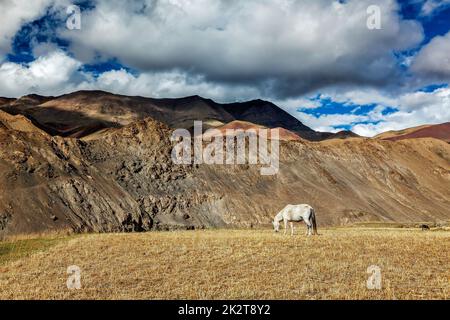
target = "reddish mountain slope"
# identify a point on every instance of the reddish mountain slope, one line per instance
(438, 131)
(284, 135)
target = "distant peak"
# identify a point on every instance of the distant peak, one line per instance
(32, 96)
(89, 92)
(257, 102)
(193, 98)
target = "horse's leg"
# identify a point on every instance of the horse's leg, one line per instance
(285, 226)
(309, 228)
(292, 228)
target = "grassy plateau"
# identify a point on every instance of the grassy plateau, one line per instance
(230, 264)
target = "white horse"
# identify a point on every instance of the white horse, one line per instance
(296, 213)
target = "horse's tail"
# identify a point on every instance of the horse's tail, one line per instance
(313, 221)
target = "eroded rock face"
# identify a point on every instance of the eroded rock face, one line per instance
(123, 180)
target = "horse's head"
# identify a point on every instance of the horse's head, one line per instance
(276, 225)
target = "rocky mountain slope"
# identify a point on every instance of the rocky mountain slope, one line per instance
(122, 179)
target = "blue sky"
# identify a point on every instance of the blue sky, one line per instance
(316, 59)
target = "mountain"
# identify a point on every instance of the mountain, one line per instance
(83, 113)
(269, 115)
(344, 134)
(121, 178)
(284, 134)
(5, 100)
(437, 131)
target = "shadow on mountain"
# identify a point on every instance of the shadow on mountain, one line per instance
(64, 123)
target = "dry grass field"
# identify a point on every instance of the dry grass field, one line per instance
(230, 264)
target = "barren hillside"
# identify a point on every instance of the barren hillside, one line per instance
(83, 113)
(122, 179)
(437, 131)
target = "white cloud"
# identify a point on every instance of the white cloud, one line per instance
(328, 122)
(434, 59)
(359, 96)
(431, 6)
(286, 51)
(410, 109)
(232, 50)
(173, 84)
(292, 105)
(58, 73)
(283, 47)
(50, 74)
(414, 109)
(13, 15)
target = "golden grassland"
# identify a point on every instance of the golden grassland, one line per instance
(230, 264)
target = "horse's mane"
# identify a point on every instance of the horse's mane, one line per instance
(279, 216)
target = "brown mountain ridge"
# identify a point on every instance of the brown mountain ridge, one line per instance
(437, 131)
(112, 171)
(82, 113)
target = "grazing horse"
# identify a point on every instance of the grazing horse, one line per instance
(296, 213)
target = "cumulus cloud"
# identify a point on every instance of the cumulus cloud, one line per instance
(285, 48)
(294, 53)
(412, 109)
(166, 84)
(429, 7)
(329, 122)
(279, 49)
(50, 74)
(360, 96)
(13, 15)
(433, 60)
(56, 72)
